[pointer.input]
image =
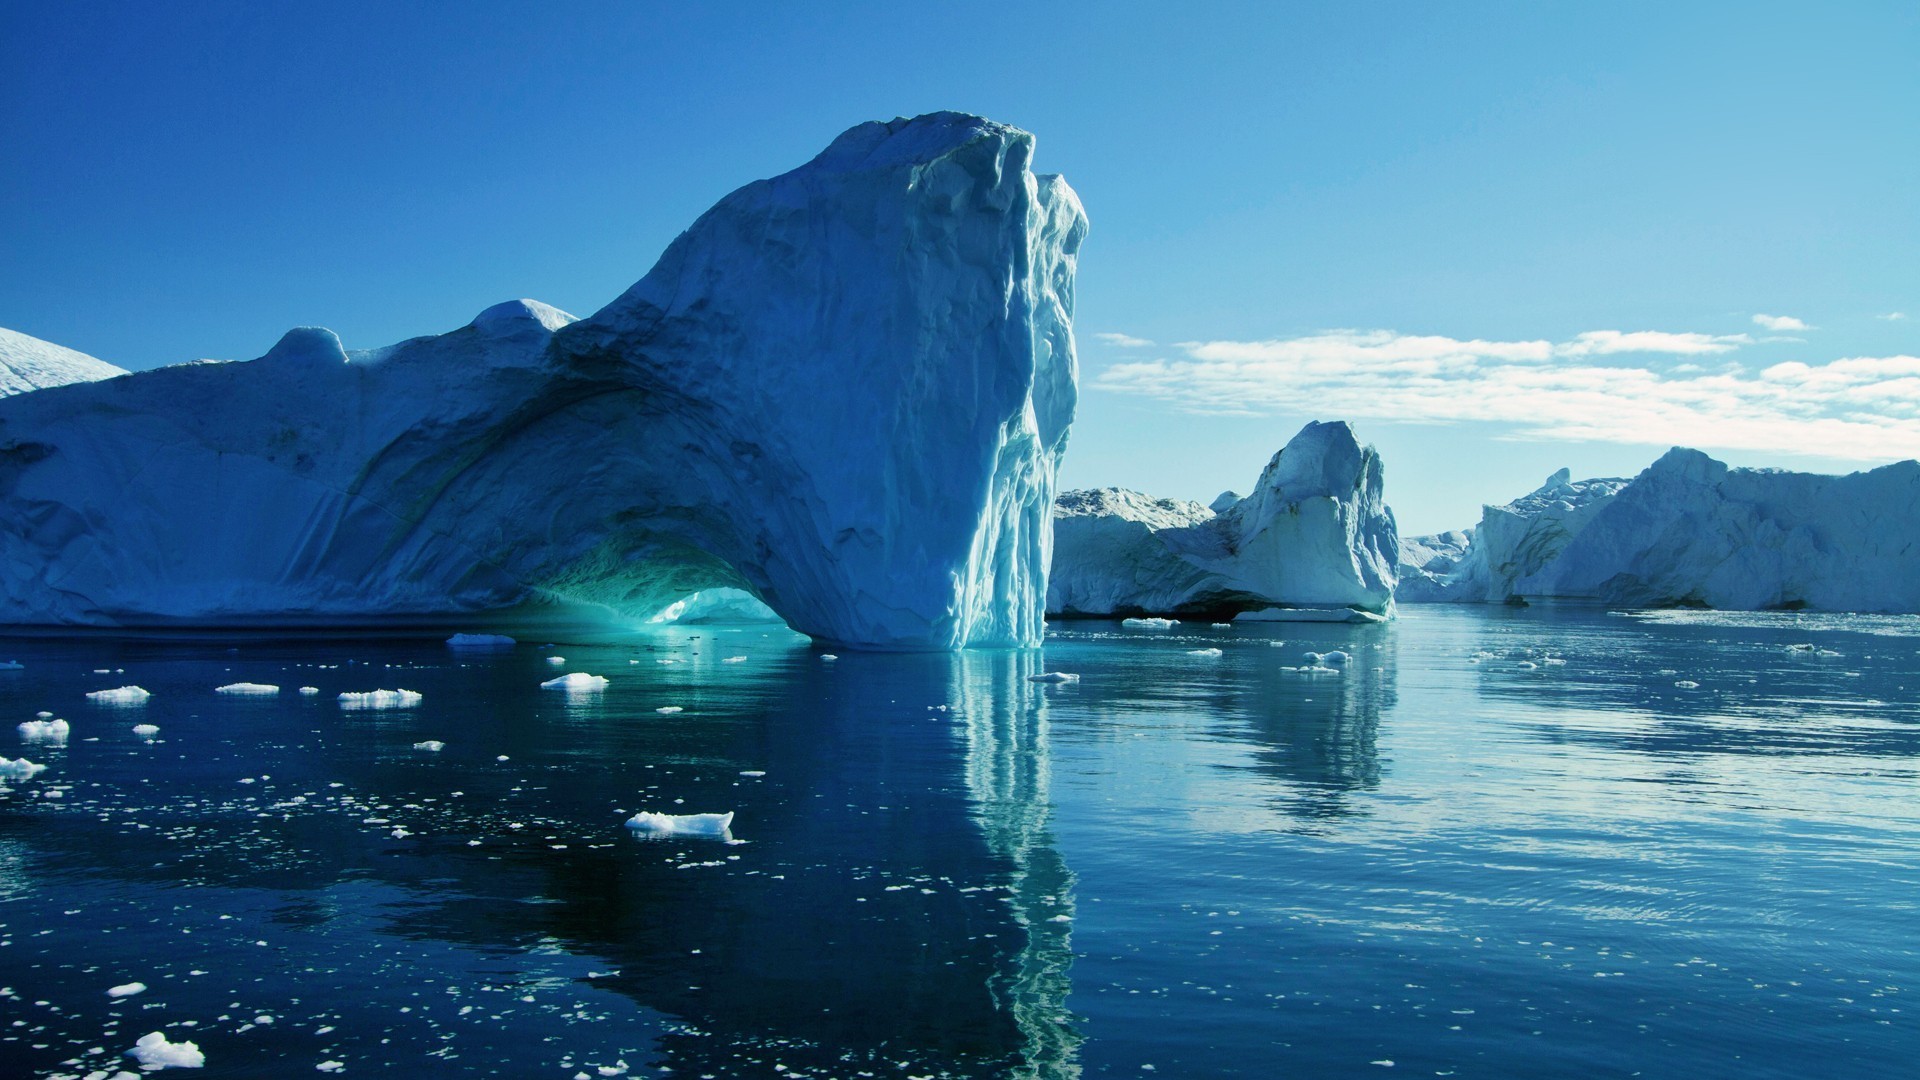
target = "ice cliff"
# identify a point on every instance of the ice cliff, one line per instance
(1315, 534)
(1514, 541)
(27, 363)
(1689, 531)
(844, 390)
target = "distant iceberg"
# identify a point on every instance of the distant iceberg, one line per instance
(1315, 535)
(1690, 531)
(1512, 542)
(844, 390)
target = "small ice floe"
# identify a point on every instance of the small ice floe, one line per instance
(1149, 623)
(1335, 658)
(1526, 665)
(578, 682)
(50, 731)
(1802, 647)
(19, 769)
(1054, 677)
(1205, 652)
(753, 772)
(12, 665)
(733, 660)
(248, 689)
(380, 699)
(331, 1066)
(432, 745)
(481, 641)
(126, 989)
(146, 731)
(713, 825)
(1687, 684)
(309, 691)
(1223, 626)
(556, 660)
(119, 695)
(669, 709)
(827, 657)
(153, 1051)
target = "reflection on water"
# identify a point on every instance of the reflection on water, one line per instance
(1499, 843)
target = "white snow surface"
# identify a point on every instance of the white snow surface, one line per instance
(27, 363)
(1315, 533)
(845, 390)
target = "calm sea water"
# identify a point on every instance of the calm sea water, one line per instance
(1502, 843)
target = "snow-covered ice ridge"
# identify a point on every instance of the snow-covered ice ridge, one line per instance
(844, 390)
(1690, 531)
(27, 363)
(1315, 533)
(1513, 541)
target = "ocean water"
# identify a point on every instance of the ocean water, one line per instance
(1499, 844)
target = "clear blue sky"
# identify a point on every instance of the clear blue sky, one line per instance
(1475, 187)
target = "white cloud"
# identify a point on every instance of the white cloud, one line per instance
(1779, 323)
(1858, 408)
(1125, 341)
(1892, 316)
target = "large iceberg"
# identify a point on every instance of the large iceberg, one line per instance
(1315, 538)
(1513, 541)
(27, 363)
(1690, 531)
(844, 390)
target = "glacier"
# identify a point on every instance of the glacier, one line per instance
(844, 391)
(1513, 541)
(28, 363)
(1314, 539)
(1690, 531)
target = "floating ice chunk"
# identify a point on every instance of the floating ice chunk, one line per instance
(309, 691)
(682, 824)
(434, 745)
(331, 1066)
(380, 699)
(248, 689)
(53, 731)
(119, 695)
(12, 665)
(1687, 684)
(1149, 624)
(668, 709)
(1335, 657)
(126, 989)
(827, 656)
(1205, 652)
(578, 682)
(733, 660)
(1315, 669)
(1223, 626)
(753, 772)
(19, 769)
(146, 731)
(481, 641)
(43, 714)
(556, 659)
(1054, 677)
(153, 1051)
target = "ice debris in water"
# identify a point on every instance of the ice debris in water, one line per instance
(681, 824)
(556, 659)
(53, 731)
(828, 656)
(1223, 626)
(578, 682)
(12, 665)
(481, 641)
(120, 695)
(153, 1051)
(1205, 652)
(146, 731)
(1150, 624)
(669, 709)
(309, 691)
(380, 699)
(126, 989)
(1054, 677)
(1687, 684)
(248, 689)
(435, 745)
(19, 769)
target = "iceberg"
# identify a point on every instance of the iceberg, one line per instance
(247, 689)
(51, 731)
(844, 391)
(708, 825)
(381, 699)
(1691, 532)
(717, 606)
(120, 695)
(1315, 536)
(153, 1051)
(578, 682)
(19, 769)
(1513, 541)
(27, 363)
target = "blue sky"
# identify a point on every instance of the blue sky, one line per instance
(1501, 238)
